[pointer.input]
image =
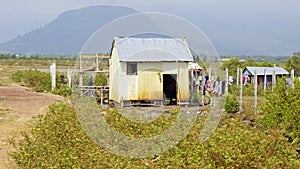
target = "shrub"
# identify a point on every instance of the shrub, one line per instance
(39, 81)
(57, 140)
(61, 86)
(282, 110)
(100, 79)
(231, 104)
(62, 90)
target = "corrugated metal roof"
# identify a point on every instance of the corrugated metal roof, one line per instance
(194, 66)
(152, 49)
(269, 70)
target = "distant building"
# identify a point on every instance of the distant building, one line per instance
(261, 71)
(149, 70)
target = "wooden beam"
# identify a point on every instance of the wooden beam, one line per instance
(95, 56)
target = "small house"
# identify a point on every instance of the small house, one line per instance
(149, 71)
(261, 72)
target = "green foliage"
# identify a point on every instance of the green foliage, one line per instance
(39, 81)
(62, 90)
(61, 86)
(282, 110)
(293, 63)
(231, 104)
(232, 64)
(100, 79)
(58, 141)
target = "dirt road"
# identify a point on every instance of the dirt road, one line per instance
(17, 107)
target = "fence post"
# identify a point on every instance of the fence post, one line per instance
(202, 87)
(273, 80)
(209, 73)
(292, 77)
(265, 79)
(226, 82)
(241, 91)
(69, 78)
(255, 91)
(237, 76)
(53, 75)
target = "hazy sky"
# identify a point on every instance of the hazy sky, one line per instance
(21, 16)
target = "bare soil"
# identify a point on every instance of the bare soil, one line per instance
(17, 107)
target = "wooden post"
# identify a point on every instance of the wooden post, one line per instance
(226, 82)
(237, 76)
(241, 90)
(80, 79)
(265, 79)
(97, 62)
(53, 75)
(292, 78)
(69, 78)
(273, 79)
(101, 95)
(215, 74)
(255, 91)
(192, 86)
(202, 87)
(80, 62)
(209, 73)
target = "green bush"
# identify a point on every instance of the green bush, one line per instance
(282, 110)
(62, 90)
(61, 86)
(39, 81)
(100, 79)
(231, 104)
(57, 140)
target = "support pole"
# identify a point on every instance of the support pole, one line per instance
(209, 73)
(255, 91)
(202, 87)
(192, 86)
(226, 82)
(241, 91)
(101, 95)
(292, 78)
(97, 62)
(237, 76)
(273, 80)
(69, 78)
(80, 62)
(265, 79)
(80, 79)
(53, 75)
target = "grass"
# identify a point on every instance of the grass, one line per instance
(4, 110)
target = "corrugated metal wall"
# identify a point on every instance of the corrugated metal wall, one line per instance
(148, 83)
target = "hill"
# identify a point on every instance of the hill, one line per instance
(67, 33)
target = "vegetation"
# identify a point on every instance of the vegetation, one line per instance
(293, 63)
(282, 110)
(231, 104)
(58, 141)
(39, 81)
(100, 79)
(233, 63)
(36, 60)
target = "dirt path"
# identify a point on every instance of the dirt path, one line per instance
(17, 107)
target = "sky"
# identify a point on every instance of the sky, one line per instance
(21, 16)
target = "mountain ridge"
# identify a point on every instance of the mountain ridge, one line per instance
(67, 33)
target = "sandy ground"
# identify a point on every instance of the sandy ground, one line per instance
(17, 107)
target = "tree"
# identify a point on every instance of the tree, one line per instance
(232, 64)
(293, 63)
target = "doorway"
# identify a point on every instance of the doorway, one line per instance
(170, 89)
